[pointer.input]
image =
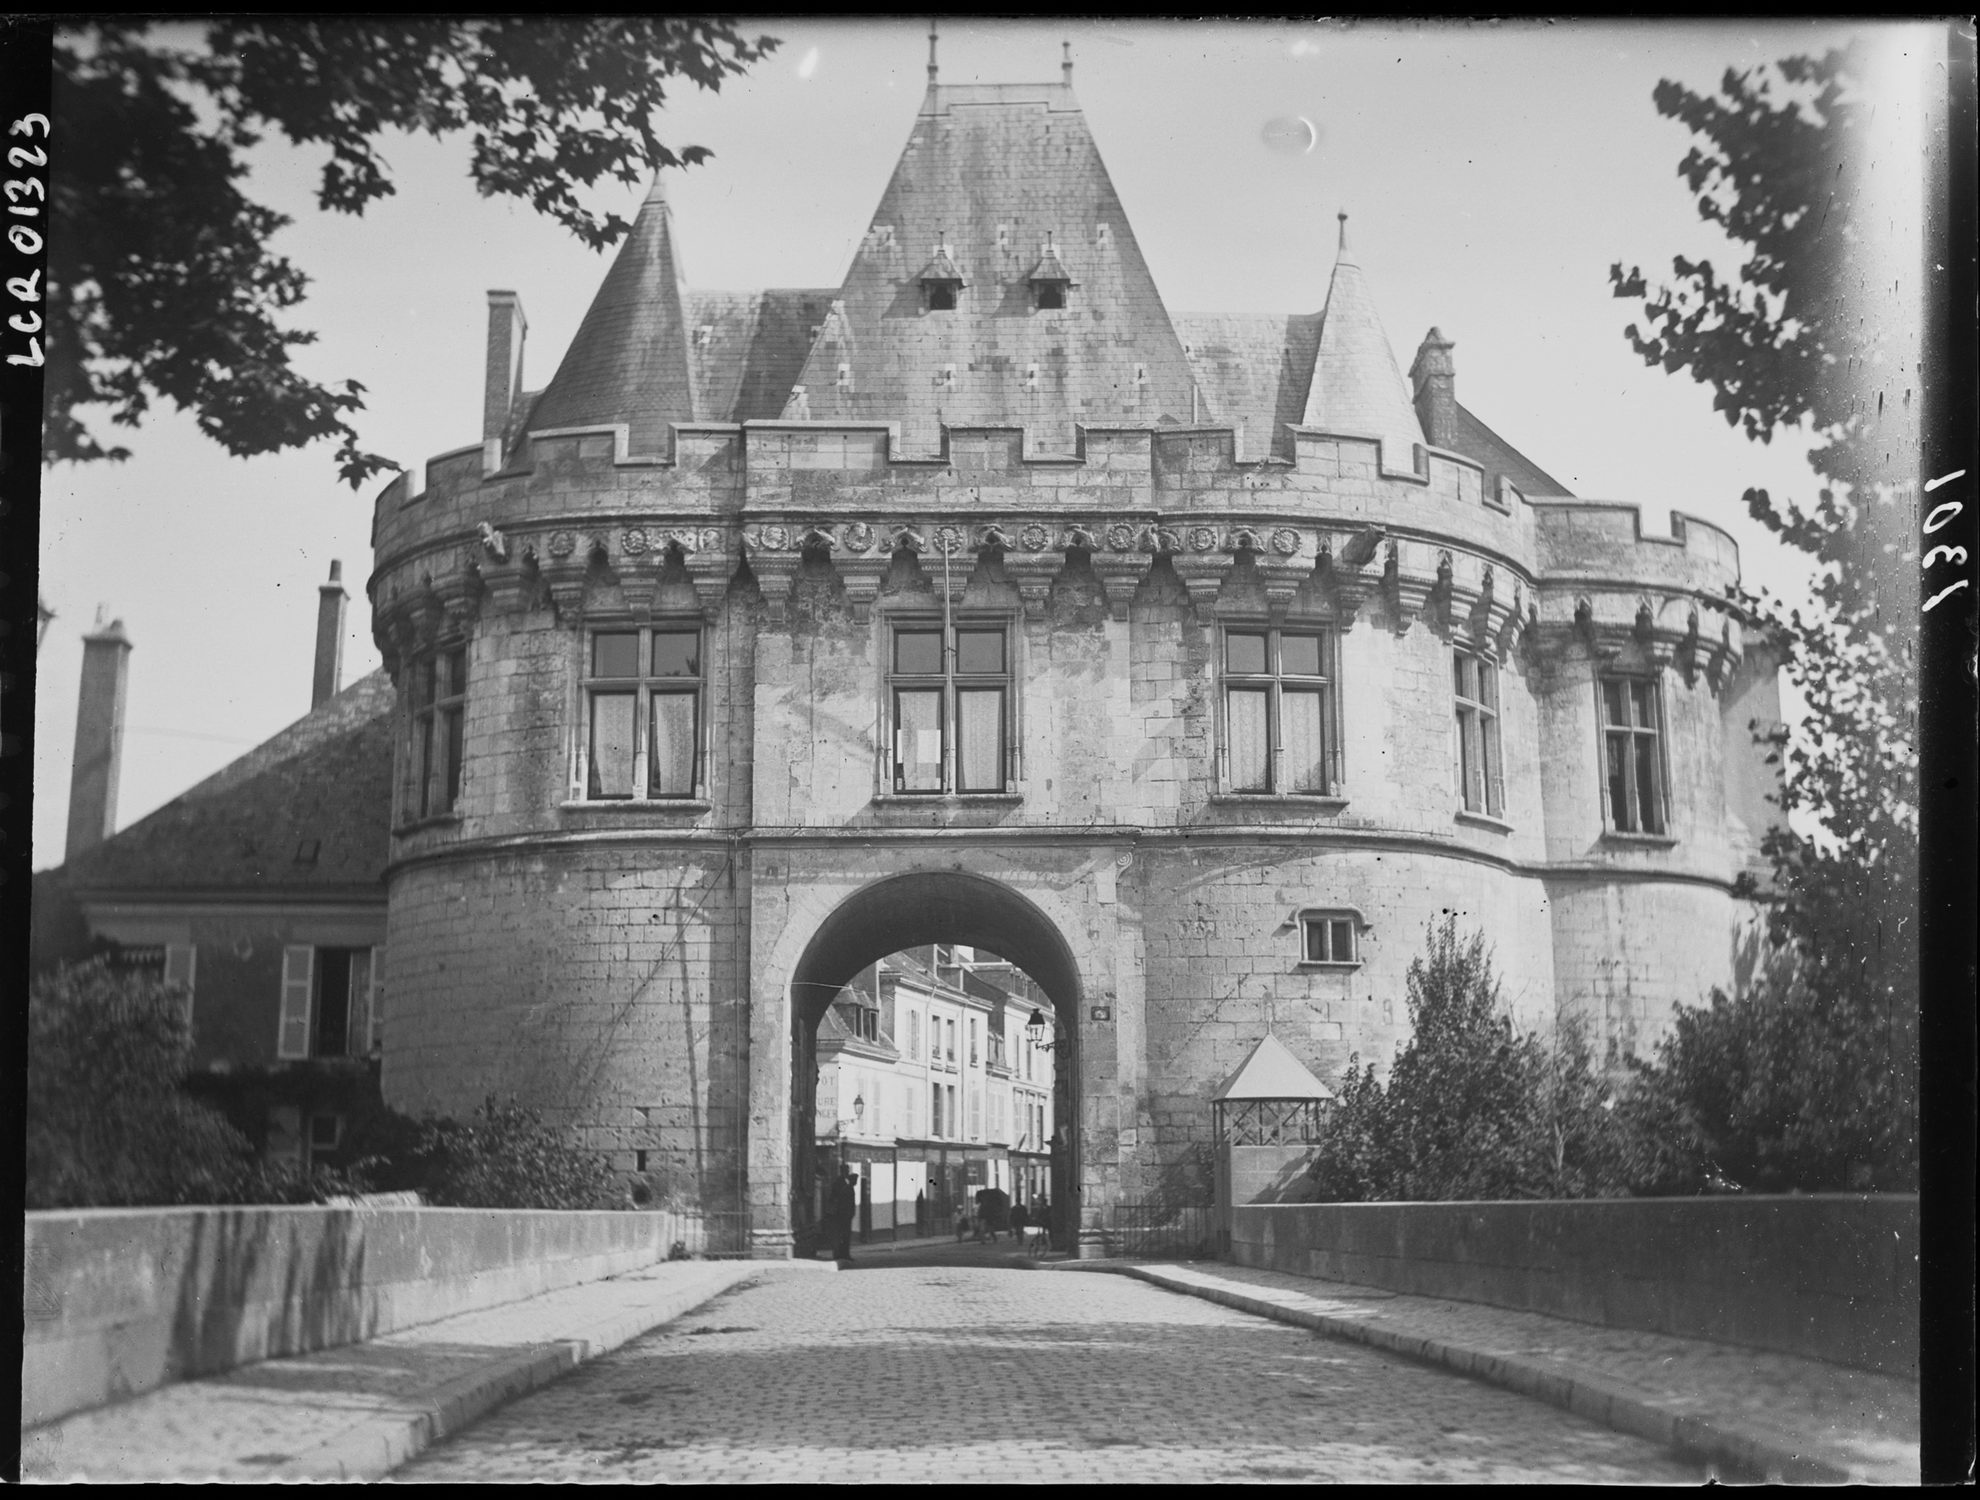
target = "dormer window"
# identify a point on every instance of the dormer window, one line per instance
(941, 281)
(845, 377)
(1050, 281)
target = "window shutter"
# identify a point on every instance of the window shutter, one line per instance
(357, 1036)
(298, 966)
(180, 961)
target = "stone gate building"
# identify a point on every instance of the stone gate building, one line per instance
(1195, 664)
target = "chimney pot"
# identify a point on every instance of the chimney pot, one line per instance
(1433, 377)
(99, 752)
(502, 383)
(331, 599)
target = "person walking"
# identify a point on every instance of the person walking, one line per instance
(840, 1208)
(1020, 1222)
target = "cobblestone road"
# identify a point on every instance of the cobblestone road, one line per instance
(947, 1373)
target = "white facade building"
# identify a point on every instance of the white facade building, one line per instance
(935, 1078)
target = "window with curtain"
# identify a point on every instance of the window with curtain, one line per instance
(951, 693)
(642, 708)
(1279, 711)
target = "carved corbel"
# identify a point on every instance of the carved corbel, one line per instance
(1437, 603)
(1689, 655)
(775, 572)
(862, 577)
(993, 538)
(709, 568)
(1645, 624)
(1478, 624)
(1203, 575)
(1120, 573)
(1032, 573)
(1392, 590)
(1160, 540)
(494, 543)
(1513, 628)
(1079, 539)
(1720, 667)
(639, 573)
(819, 538)
(907, 539)
(1244, 539)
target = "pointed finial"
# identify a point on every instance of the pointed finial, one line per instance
(1343, 218)
(1066, 65)
(931, 50)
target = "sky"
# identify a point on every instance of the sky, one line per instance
(1493, 173)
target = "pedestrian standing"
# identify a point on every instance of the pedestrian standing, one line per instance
(839, 1211)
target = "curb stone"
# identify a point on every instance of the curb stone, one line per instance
(1748, 1449)
(378, 1445)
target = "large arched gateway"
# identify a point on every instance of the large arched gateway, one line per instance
(1193, 664)
(910, 910)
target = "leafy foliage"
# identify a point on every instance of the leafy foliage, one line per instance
(161, 283)
(1807, 1078)
(107, 1124)
(1474, 1108)
(506, 1157)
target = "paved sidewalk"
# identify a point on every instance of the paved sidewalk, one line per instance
(1792, 1419)
(361, 1410)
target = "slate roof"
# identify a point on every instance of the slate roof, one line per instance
(1252, 370)
(748, 347)
(1357, 388)
(629, 362)
(1271, 1072)
(324, 781)
(990, 170)
(1477, 441)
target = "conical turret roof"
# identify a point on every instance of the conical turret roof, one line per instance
(989, 174)
(1357, 388)
(629, 362)
(1271, 1072)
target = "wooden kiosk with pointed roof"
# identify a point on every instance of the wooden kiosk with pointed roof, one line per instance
(1270, 1115)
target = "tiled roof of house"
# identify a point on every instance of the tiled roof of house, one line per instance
(629, 362)
(1357, 388)
(308, 811)
(990, 171)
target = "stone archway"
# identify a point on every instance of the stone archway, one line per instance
(912, 910)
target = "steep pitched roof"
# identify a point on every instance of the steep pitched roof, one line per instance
(1272, 1072)
(308, 811)
(1475, 440)
(1357, 388)
(629, 362)
(748, 347)
(1253, 371)
(989, 170)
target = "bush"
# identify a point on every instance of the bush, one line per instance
(108, 1124)
(1474, 1108)
(506, 1158)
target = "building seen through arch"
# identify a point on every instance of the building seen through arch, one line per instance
(1191, 663)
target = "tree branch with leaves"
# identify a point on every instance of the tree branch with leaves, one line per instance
(161, 284)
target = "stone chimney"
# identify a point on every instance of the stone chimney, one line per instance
(330, 602)
(502, 386)
(99, 757)
(1433, 374)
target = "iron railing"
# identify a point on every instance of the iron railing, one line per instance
(1162, 1231)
